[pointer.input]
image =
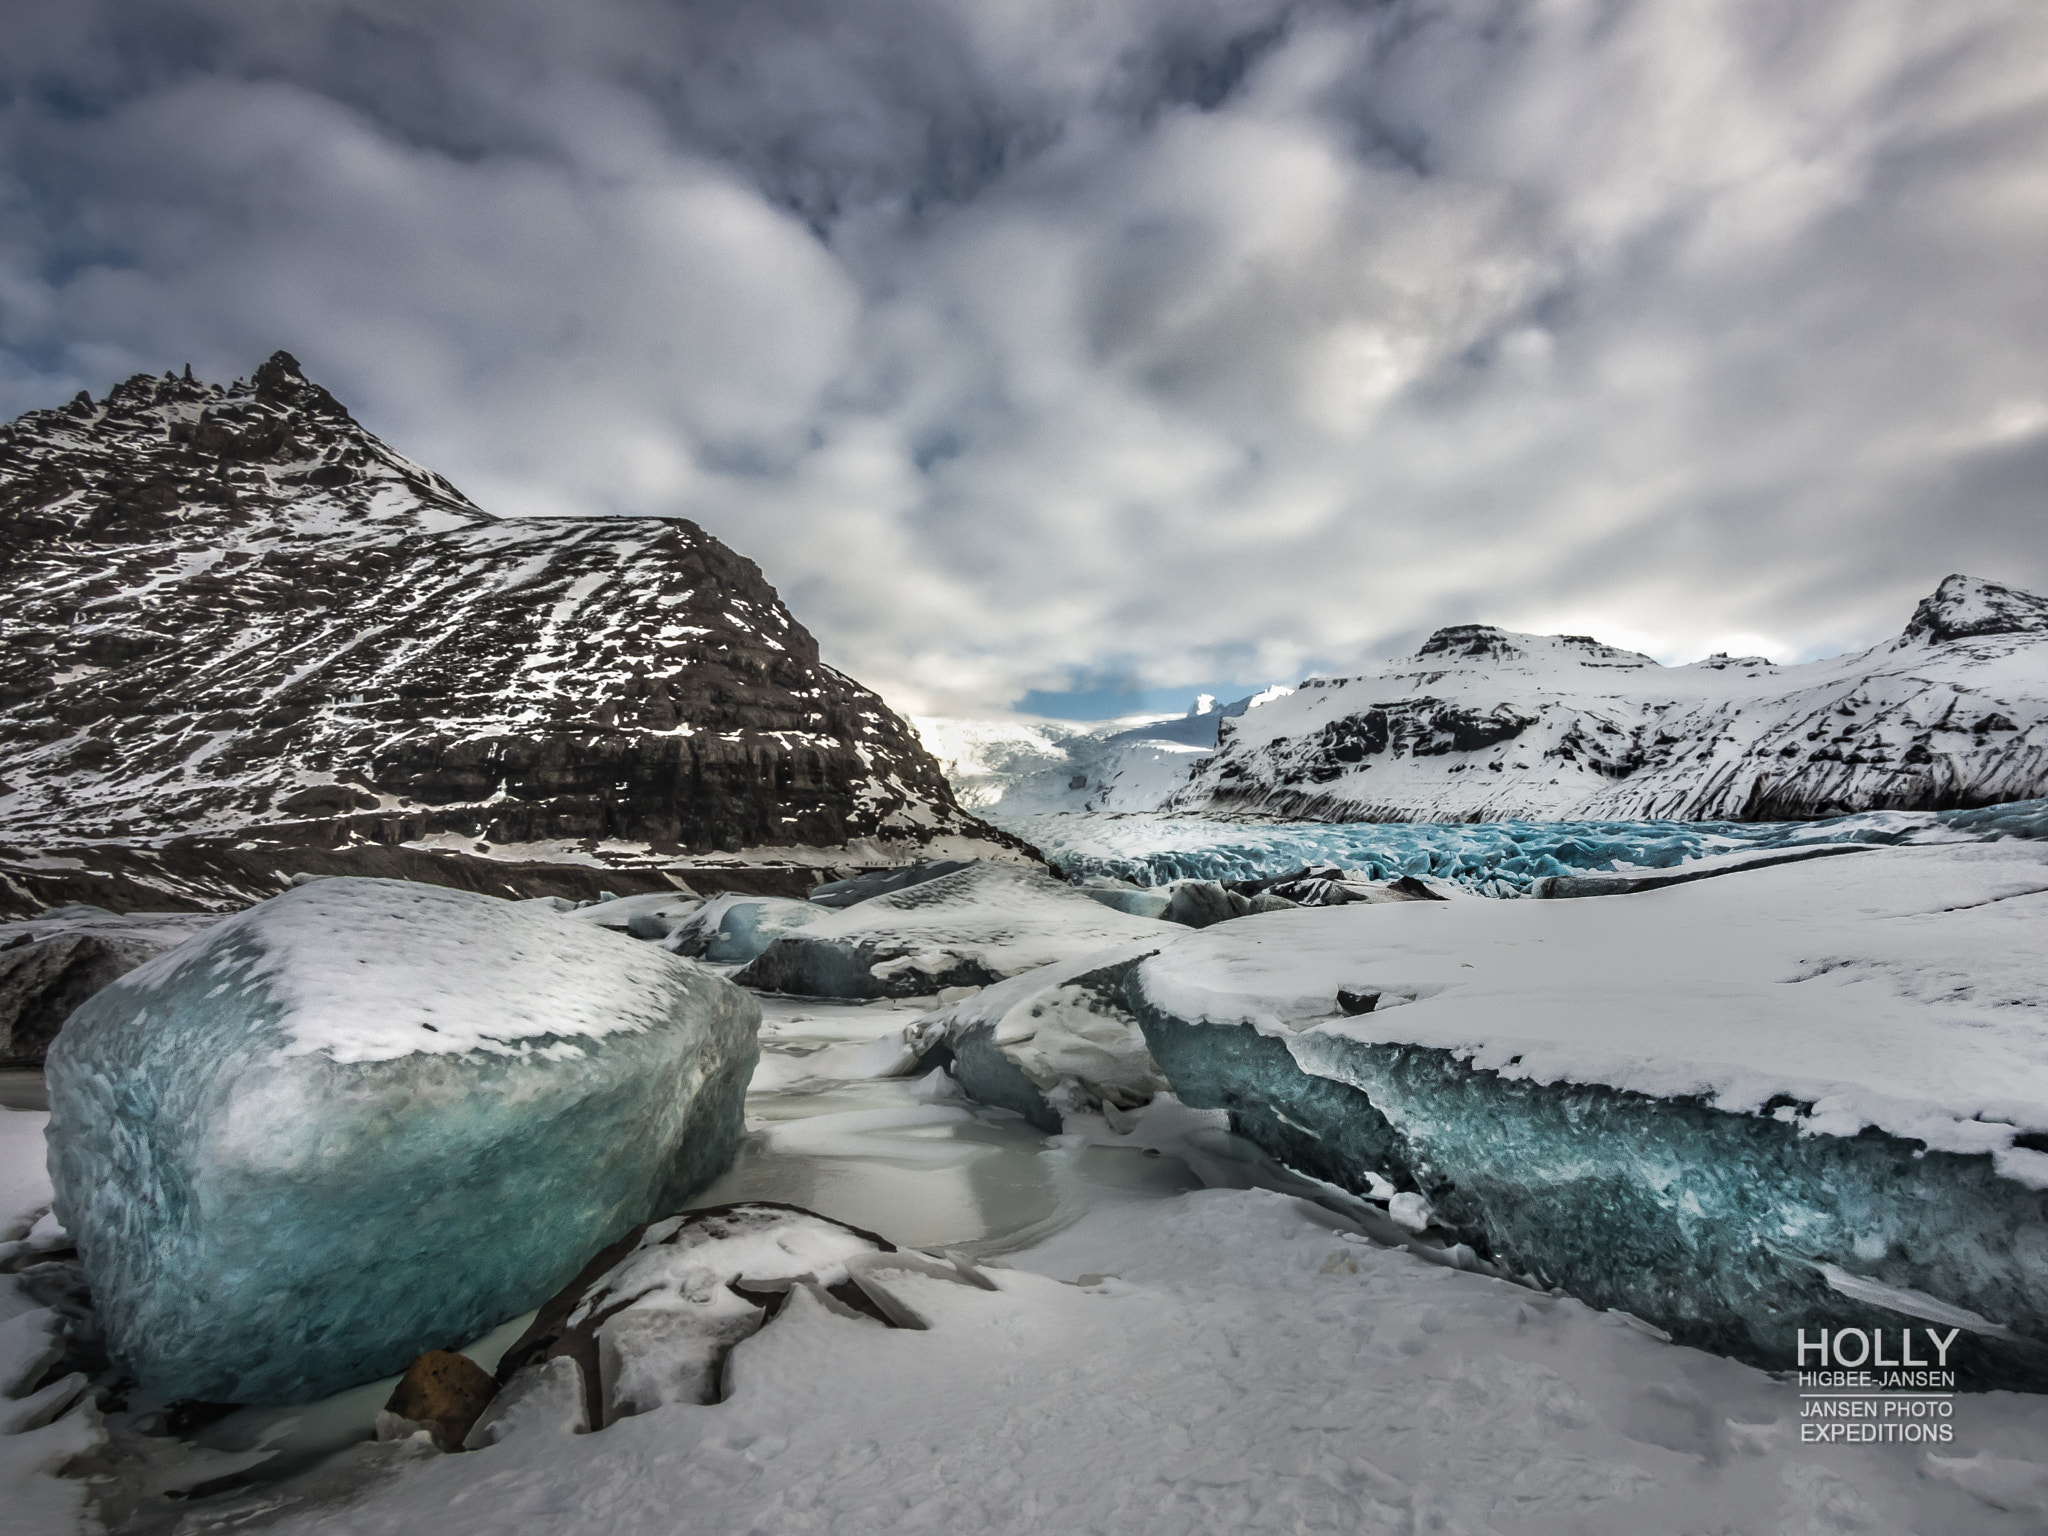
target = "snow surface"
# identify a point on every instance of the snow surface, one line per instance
(1223, 1362)
(374, 970)
(1900, 988)
(1219, 1362)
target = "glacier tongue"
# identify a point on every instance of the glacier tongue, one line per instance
(367, 1118)
(1493, 858)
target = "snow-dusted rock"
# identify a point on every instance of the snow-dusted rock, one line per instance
(970, 928)
(1808, 1095)
(1481, 724)
(652, 1319)
(53, 963)
(233, 611)
(733, 929)
(656, 915)
(1050, 1042)
(368, 1118)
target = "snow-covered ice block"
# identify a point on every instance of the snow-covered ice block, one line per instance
(1807, 1096)
(653, 916)
(367, 1118)
(975, 926)
(733, 929)
(1050, 1042)
(1122, 896)
(881, 882)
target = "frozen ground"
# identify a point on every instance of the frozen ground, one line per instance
(1155, 1357)
(1494, 858)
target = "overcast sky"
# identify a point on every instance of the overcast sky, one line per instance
(1086, 346)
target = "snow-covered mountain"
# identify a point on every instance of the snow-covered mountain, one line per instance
(1006, 769)
(234, 612)
(1482, 724)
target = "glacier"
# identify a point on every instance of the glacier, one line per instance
(1491, 858)
(367, 1118)
(1814, 1095)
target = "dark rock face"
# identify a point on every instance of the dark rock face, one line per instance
(1963, 606)
(42, 981)
(234, 612)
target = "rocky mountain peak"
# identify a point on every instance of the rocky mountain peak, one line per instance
(1485, 643)
(233, 612)
(1965, 606)
(1468, 642)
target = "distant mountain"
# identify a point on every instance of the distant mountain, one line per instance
(1483, 724)
(1011, 768)
(233, 613)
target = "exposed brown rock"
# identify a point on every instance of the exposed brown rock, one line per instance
(444, 1393)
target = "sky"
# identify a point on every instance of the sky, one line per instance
(1087, 353)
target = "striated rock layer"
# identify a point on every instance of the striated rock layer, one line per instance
(1484, 725)
(233, 612)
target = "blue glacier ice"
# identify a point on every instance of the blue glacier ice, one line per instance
(368, 1118)
(1493, 858)
(1807, 1096)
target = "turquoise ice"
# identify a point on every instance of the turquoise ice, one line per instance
(368, 1118)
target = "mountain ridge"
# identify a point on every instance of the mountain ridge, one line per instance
(1486, 724)
(232, 611)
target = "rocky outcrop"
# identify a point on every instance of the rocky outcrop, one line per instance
(1485, 725)
(233, 613)
(42, 980)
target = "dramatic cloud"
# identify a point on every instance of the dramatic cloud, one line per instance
(1048, 345)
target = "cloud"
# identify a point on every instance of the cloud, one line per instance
(1040, 345)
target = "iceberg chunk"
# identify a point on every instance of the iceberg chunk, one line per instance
(975, 926)
(1050, 1042)
(366, 1118)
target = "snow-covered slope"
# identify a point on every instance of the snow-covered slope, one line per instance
(1481, 724)
(233, 611)
(1027, 767)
